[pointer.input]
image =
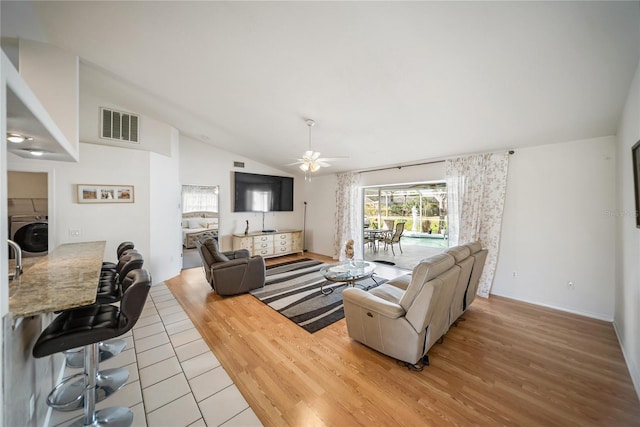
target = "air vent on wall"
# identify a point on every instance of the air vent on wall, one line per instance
(238, 164)
(119, 126)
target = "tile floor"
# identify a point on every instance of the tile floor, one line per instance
(174, 378)
(407, 259)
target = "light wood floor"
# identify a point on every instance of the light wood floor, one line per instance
(509, 363)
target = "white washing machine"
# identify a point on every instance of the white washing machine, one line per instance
(31, 232)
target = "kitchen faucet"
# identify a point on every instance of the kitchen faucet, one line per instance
(18, 252)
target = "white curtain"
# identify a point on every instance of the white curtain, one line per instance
(196, 198)
(476, 188)
(348, 215)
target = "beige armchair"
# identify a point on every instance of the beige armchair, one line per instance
(404, 317)
(230, 273)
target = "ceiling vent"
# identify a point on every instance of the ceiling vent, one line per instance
(119, 126)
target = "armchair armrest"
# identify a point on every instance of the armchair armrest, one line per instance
(368, 301)
(240, 253)
(229, 264)
(238, 275)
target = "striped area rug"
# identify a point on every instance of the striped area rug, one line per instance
(293, 290)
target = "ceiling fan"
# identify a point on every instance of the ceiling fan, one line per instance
(311, 160)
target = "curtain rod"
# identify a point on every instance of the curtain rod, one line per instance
(412, 164)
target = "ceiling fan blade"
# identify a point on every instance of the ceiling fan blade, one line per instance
(315, 156)
(331, 159)
(300, 161)
(323, 164)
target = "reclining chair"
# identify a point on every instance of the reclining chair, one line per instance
(470, 258)
(404, 317)
(480, 257)
(230, 273)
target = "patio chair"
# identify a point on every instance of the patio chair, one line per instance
(389, 223)
(370, 239)
(395, 238)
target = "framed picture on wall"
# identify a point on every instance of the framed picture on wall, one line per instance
(96, 193)
(635, 153)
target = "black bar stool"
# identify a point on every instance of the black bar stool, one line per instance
(87, 326)
(110, 290)
(122, 247)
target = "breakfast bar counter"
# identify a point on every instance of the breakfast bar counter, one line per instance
(65, 278)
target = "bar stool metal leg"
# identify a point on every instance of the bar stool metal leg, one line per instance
(108, 349)
(108, 417)
(69, 394)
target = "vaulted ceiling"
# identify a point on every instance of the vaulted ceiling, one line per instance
(386, 82)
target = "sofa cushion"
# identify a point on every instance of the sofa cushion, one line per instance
(388, 293)
(460, 253)
(474, 247)
(212, 247)
(217, 255)
(401, 282)
(426, 270)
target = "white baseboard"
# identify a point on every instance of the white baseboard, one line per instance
(633, 371)
(568, 310)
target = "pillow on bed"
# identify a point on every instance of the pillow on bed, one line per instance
(185, 223)
(195, 223)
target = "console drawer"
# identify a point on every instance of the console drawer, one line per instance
(263, 238)
(259, 245)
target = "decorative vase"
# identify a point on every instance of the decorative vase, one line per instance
(348, 251)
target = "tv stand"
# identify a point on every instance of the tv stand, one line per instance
(269, 243)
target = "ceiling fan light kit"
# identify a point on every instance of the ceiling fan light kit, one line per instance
(310, 161)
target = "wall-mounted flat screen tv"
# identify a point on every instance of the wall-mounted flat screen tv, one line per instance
(262, 193)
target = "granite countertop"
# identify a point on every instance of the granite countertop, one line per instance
(65, 278)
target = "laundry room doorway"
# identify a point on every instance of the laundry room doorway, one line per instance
(28, 211)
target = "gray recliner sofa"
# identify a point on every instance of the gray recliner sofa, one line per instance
(404, 317)
(233, 272)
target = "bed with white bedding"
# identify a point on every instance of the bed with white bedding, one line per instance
(196, 224)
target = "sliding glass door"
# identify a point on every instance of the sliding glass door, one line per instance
(421, 208)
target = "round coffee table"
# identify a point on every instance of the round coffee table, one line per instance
(348, 272)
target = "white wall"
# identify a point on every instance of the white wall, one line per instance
(52, 74)
(203, 164)
(165, 247)
(627, 289)
(320, 195)
(412, 174)
(557, 227)
(152, 133)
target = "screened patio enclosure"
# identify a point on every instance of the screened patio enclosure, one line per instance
(421, 207)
